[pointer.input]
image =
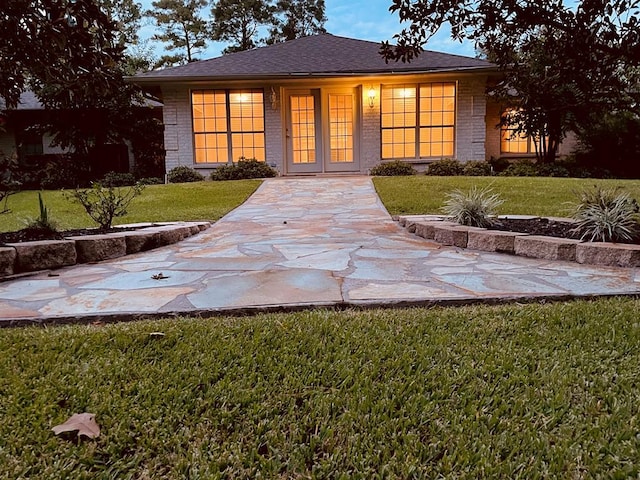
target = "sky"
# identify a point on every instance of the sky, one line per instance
(361, 19)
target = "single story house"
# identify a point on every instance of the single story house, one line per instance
(328, 104)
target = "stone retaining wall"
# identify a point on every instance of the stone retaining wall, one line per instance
(16, 258)
(437, 228)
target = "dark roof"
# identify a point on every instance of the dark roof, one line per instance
(318, 55)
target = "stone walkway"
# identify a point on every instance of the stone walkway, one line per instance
(297, 243)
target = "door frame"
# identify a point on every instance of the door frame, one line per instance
(323, 162)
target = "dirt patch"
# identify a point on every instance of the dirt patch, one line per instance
(537, 226)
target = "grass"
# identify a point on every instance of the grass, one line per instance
(173, 202)
(529, 391)
(522, 195)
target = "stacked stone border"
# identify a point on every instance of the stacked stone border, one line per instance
(25, 257)
(439, 229)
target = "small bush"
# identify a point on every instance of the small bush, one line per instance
(43, 223)
(184, 174)
(8, 184)
(103, 204)
(476, 168)
(396, 168)
(242, 170)
(150, 181)
(473, 208)
(521, 168)
(606, 215)
(445, 168)
(116, 179)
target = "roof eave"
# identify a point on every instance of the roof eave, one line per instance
(153, 80)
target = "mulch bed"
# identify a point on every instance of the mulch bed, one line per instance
(34, 234)
(537, 226)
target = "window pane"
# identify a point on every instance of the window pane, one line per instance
(437, 119)
(341, 127)
(303, 128)
(219, 115)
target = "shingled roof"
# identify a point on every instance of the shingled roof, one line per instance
(322, 55)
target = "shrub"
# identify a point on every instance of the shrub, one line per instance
(103, 204)
(8, 183)
(43, 222)
(150, 181)
(606, 215)
(184, 174)
(445, 167)
(244, 169)
(116, 179)
(396, 168)
(521, 168)
(476, 168)
(473, 208)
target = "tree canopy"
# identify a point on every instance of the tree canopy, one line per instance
(561, 63)
(182, 29)
(296, 18)
(238, 21)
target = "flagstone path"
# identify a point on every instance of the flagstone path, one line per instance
(298, 242)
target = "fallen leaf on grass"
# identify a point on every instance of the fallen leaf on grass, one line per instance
(84, 423)
(159, 276)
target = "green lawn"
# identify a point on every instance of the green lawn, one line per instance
(173, 202)
(522, 195)
(521, 391)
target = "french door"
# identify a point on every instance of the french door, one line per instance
(321, 130)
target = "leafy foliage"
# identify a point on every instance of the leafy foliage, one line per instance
(473, 208)
(238, 22)
(244, 169)
(476, 168)
(296, 18)
(562, 61)
(395, 168)
(184, 174)
(117, 179)
(103, 204)
(445, 167)
(8, 182)
(182, 29)
(606, 215)
(43, 222)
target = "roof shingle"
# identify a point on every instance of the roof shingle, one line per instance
(318, 55)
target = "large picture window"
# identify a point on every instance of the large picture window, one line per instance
(418, 121)
(228, 125)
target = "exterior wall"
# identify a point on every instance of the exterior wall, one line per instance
(370, 130)
(471, 131)
(273, 122)
(470, 127)
(178, 136)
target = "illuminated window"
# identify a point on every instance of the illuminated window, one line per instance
(228, 124)
(341, 127)
(513, 142)
(418, 121)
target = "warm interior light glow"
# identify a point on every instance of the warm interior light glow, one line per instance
(372, 96)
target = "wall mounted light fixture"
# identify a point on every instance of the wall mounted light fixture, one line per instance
(372, 96)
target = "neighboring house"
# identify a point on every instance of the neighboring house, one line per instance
(18, 136)
(325, 104)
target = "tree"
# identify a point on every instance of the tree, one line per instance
(297, 18)
(238, 21)
(559, 63)
(182, 27)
